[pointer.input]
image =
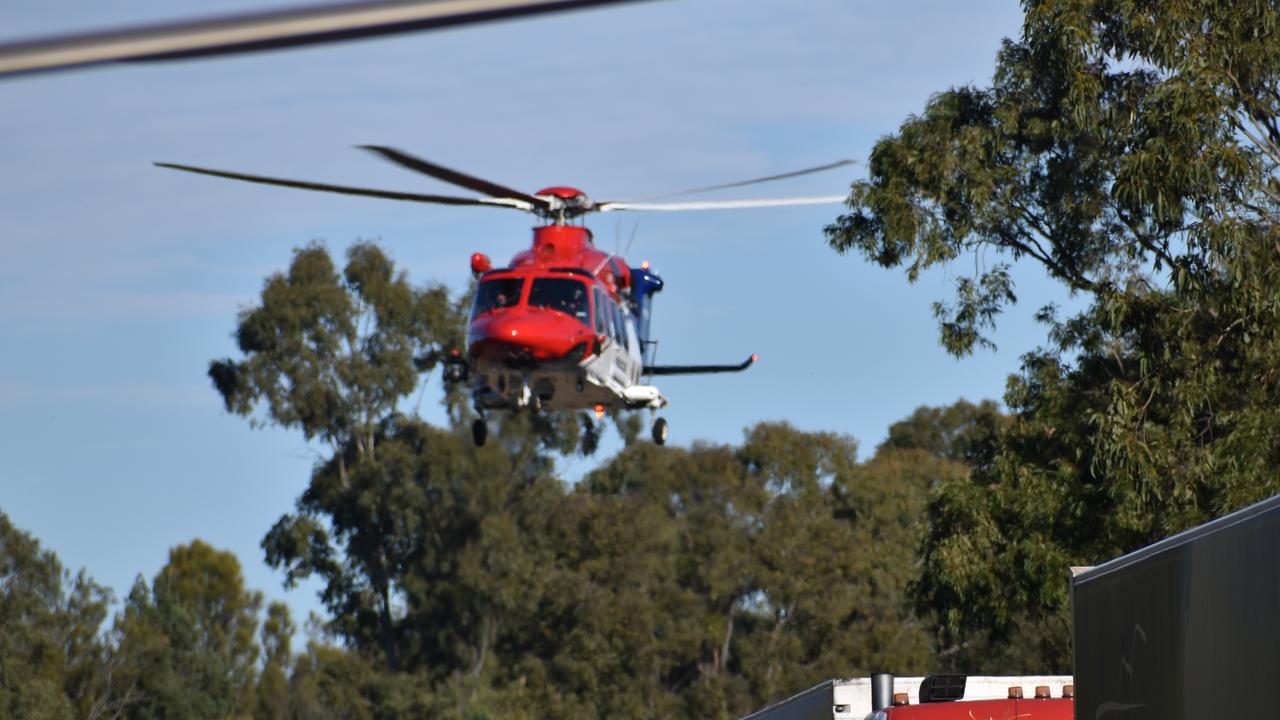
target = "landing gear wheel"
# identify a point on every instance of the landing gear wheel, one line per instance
(479, 432)
(660, 431)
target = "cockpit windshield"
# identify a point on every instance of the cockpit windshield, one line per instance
(563, 294)
(497, 293)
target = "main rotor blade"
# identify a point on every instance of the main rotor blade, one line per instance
(265, 31)
(454, 177)
(348, 190)
(755, 181)
(721, 204)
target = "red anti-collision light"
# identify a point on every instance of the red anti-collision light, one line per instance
(480, 263)
(599, 411)
(754, 357)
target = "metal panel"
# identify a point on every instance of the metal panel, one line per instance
(1186, 628)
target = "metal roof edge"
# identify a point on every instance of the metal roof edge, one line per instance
(1213, 526)
(825, 685)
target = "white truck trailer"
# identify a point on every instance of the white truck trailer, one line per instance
(852, 698)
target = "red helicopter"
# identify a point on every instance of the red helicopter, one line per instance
(564, 326)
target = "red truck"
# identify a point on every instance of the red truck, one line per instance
(941, 698)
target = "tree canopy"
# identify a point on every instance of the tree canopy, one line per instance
(1129, 150)
(683, 582)
(53, 664)
(696, 582)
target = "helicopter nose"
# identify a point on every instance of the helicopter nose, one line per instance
(540, 335)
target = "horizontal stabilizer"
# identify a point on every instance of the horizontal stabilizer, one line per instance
(698, 369)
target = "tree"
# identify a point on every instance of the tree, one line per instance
(274, 698)
(706, 582)
(818, 566)
(188, 641)
(333, 355)
(656, 566)
(955, 432)
(52, 658)
(399, 511)
(1129, 149)
(330, 682)
(486, 557)
(1114, 144)
(887, 507)
(441, 544)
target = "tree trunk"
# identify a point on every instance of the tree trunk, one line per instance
(721, 657)
(388, 632)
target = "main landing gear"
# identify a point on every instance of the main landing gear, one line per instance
(480, 431)
(660, 431)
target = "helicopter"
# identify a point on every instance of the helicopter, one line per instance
(564, 325)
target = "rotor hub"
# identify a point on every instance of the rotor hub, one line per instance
(564, 202)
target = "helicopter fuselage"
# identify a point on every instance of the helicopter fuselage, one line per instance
(556, 329)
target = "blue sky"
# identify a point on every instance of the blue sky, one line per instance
(120, 281)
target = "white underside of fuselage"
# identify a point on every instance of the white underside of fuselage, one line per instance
(610, 380)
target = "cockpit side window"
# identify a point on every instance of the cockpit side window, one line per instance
(601, 308)
(608, 318)
(561, 294)
(619, 325)
(497, 293)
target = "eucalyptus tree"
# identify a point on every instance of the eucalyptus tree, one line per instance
(403, 522)
(331, 354)
(1129, 151)
(708, 581)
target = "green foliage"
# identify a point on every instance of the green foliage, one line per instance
(333, 354)
(331, 683)
(674, 582)
(955, 432)
(53, 662)
(1130, 150)
(428, 551)
(688, 583)
(1117, 139)
(728, 578)
(273, 692)
(187, 644)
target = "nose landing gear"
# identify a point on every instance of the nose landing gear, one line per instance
(660, 431)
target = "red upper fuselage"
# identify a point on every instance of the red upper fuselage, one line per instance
(551, 301)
